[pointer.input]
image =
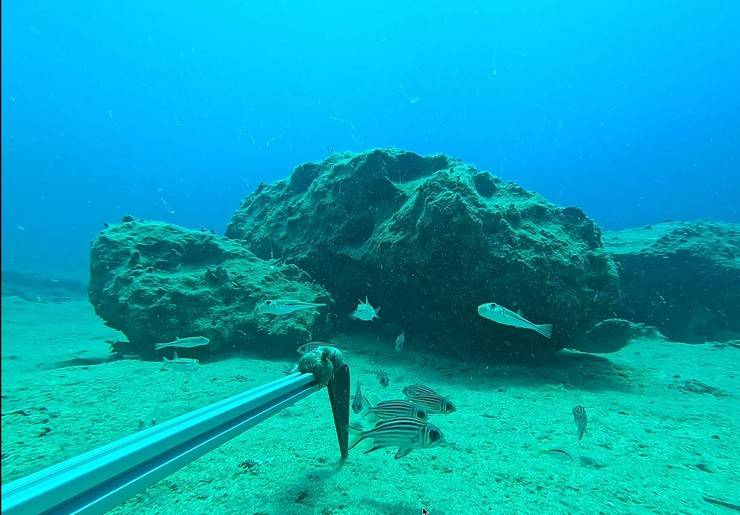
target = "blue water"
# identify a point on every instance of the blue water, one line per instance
(172, 111)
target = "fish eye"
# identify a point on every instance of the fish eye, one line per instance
(268, 302)
(434, 435)
(449, 407)
(421, 414)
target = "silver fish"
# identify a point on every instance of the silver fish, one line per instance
(358, 401)
(400, 341)
(395, 409)
(501, 315)
(558, 453)
(428, 399)
(365, 312)
(581, 420)
(285, 306)
(184, 343)
(180, 364)
(406, 433)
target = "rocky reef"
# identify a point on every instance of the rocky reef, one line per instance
(682, 277)
(429, 239)
(156, 282)
(613, 334)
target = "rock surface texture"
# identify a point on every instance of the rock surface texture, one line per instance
(682, 277)
(156, 282)
(429, 239)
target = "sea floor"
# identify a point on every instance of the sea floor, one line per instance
(663, 433)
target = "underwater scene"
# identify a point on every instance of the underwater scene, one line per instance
(371, 257)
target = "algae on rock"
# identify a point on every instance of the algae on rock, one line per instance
(682, 277)
(431, 238)
(155, 282)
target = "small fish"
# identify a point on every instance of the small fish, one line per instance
(428, 399)
(383, 378)
(285, 306)
(579, 417)
(400, 340)
(365, 312)
(181, 364)
(184, 343)
(558, 453)
(406, 433)
(394, 409)
(358, 401)
(501, 315)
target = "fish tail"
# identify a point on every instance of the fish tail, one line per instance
(544, 329)
(365, 407)
(356, 434)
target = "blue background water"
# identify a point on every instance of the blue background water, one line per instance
(175, 112)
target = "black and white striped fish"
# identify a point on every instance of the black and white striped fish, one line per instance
(406, 433)
(395, 409)
(428, 399)
(579, 417)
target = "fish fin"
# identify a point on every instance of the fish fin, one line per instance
(366, 407)
(377, 310)
(357, 434)
(165, 360)
(366, 301)
(371, 449)
(174, 356)
(544, 329)
(403, 451)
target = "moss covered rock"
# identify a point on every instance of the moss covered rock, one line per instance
(155, 282)
(431, 238)
(682, 277)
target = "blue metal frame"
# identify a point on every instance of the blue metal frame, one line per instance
(102, 478)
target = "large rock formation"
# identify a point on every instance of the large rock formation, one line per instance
(682, 277)
(431, 238)
(155, 282)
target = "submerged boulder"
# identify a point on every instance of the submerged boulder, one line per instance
(682, 277)
(613, 334)
(429, 239)
(156, 282)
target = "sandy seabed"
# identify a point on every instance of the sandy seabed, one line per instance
(663, 434)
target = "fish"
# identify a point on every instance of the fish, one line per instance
(383, 378)
(394, 409)
(286, 306)
(501, 315)
(406, 433)
(358, 401)
(581, 420)
(309, 347)
(335, 354)
(558, 453)
(428, 399)
(400, 341)
(365, 312)
(184, 343)
(181, 364)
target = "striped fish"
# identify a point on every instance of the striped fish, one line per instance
(428, 399)
(358, 401)
(406, 433)
(579, 417)
(395, 409)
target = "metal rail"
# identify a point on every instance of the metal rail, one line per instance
(102, 478)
